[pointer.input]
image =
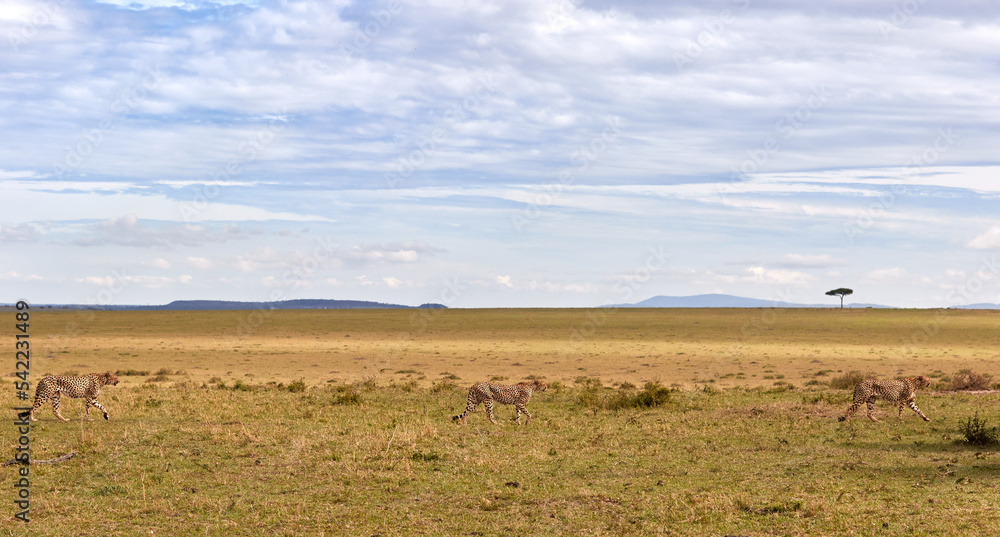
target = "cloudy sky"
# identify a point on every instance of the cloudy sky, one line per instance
(511, 153)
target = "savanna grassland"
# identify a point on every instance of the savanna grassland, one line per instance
(656, 422)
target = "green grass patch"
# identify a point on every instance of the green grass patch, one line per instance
(733, 461)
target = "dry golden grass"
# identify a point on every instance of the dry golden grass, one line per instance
(729, 347)
(748, 445)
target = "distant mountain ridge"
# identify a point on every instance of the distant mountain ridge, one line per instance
(299, 304)
(978, 306)
(729, 301)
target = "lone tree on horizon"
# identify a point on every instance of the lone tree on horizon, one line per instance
(842, 292)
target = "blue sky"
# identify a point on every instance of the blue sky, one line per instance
(481, 154)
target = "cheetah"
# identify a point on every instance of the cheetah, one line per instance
(88, 387)
(488, 392)
(901, 392)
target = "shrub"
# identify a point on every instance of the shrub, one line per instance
(408, 386)
(849, 380)
(587, 382)
(652, 395)
(977, 433)
(443, 385)
(240, 387)
(348, 397)
(966, 379)
(131, 373)
(158, 378)
(297, 386)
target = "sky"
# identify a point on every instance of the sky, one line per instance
(537, 153)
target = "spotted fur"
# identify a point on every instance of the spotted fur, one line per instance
(88, 387)
(487, 392)
(899, 392)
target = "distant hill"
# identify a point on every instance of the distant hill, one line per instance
(979, 306)
(301, 304)
(729, 301)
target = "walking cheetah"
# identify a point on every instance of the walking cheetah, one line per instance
(88, 387)
(488, 392)
(900, 392)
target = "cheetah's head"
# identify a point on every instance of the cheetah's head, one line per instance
(540, 385)
(109, 378)
(921, 381)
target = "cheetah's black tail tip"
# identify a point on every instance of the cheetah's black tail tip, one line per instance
(842, 418)
(106, 417)
(455, 418)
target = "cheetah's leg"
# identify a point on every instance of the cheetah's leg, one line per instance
(55, 406)
(871, 410)
(522, 408)
(850, 411)
(489, 410)
(468, 409)
(38, 404)
(915, 409)
(99, 407)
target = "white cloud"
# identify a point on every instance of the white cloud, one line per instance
(505, 281)
(986, 241)
(15, 276)
(199, 262)
(887, 275)
(159, 263)
(19, 232)
(763, 275)
(392, 283)
(810, 261)
(128, 230)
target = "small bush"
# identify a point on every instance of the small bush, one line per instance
(442, 386)
(158, 378)
(652, 395)
(587, 382)
(977, 433)
(131, 373)
(849, 380)
(348, 397)
(165, 371)
(408, 386)
(498, 378)
(297, 386)
(240, 387)
(966, 379)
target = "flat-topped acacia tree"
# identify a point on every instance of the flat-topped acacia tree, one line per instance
(842, 292)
